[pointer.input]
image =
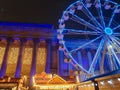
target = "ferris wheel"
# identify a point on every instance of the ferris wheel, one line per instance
(89, 35)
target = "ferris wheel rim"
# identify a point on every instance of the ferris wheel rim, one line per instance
(107, 31)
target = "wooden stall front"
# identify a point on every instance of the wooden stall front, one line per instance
(109, 82)
(52, 82)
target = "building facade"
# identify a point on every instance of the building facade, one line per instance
(26, 49)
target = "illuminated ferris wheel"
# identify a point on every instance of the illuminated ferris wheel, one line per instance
(92, 26)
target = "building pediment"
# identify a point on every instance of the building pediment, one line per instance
(57, 80)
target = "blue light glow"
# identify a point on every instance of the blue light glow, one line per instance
(98, 29)
(108, 31)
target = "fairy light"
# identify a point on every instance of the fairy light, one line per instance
(110, 82)
(92, 84)
(102, 83)
(118, 79)
(82, 86)
(88, 85)
(53, 86)
(85, 85)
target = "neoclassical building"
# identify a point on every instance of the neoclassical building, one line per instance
(27, 49)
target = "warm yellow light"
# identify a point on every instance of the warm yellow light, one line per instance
(12, 60)
(41, 59)
(41, 56)
(56, 86)
(26, 60)
(57, 80)
(118, 79)
(27, 56)
(13, 55)
(33, 79)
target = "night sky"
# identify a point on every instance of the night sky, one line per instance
(33, 11)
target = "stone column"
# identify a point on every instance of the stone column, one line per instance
(89, 58)
(49, 56)
(19, 62)
(33, 65)
(61, 62)
(4, 63)
(79, 58)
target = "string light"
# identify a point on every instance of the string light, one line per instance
(13, 55)
(110, 82)
(118, 79)
(54, 86)
(92, 84)
(102, 83)
(88, 85)
(27, 56)
(41, 56)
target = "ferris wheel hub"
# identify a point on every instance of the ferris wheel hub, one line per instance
(108, 31)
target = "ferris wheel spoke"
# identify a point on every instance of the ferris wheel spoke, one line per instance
(76, 31)
(90, 16)
(91, 69)
(103, 57)
(86, 44)
(100, 12)
(111, 19)
(116, 40)
(111, 2)
(78, 64)
(116, 34)
(116, 27)
(82, 21)
(114, 44)
(111, 59)
(112, 50)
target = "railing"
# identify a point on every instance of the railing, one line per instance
(104, 83)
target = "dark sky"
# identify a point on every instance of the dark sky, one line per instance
(33, 11)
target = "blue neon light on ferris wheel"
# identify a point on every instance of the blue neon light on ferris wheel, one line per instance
(92, 24)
